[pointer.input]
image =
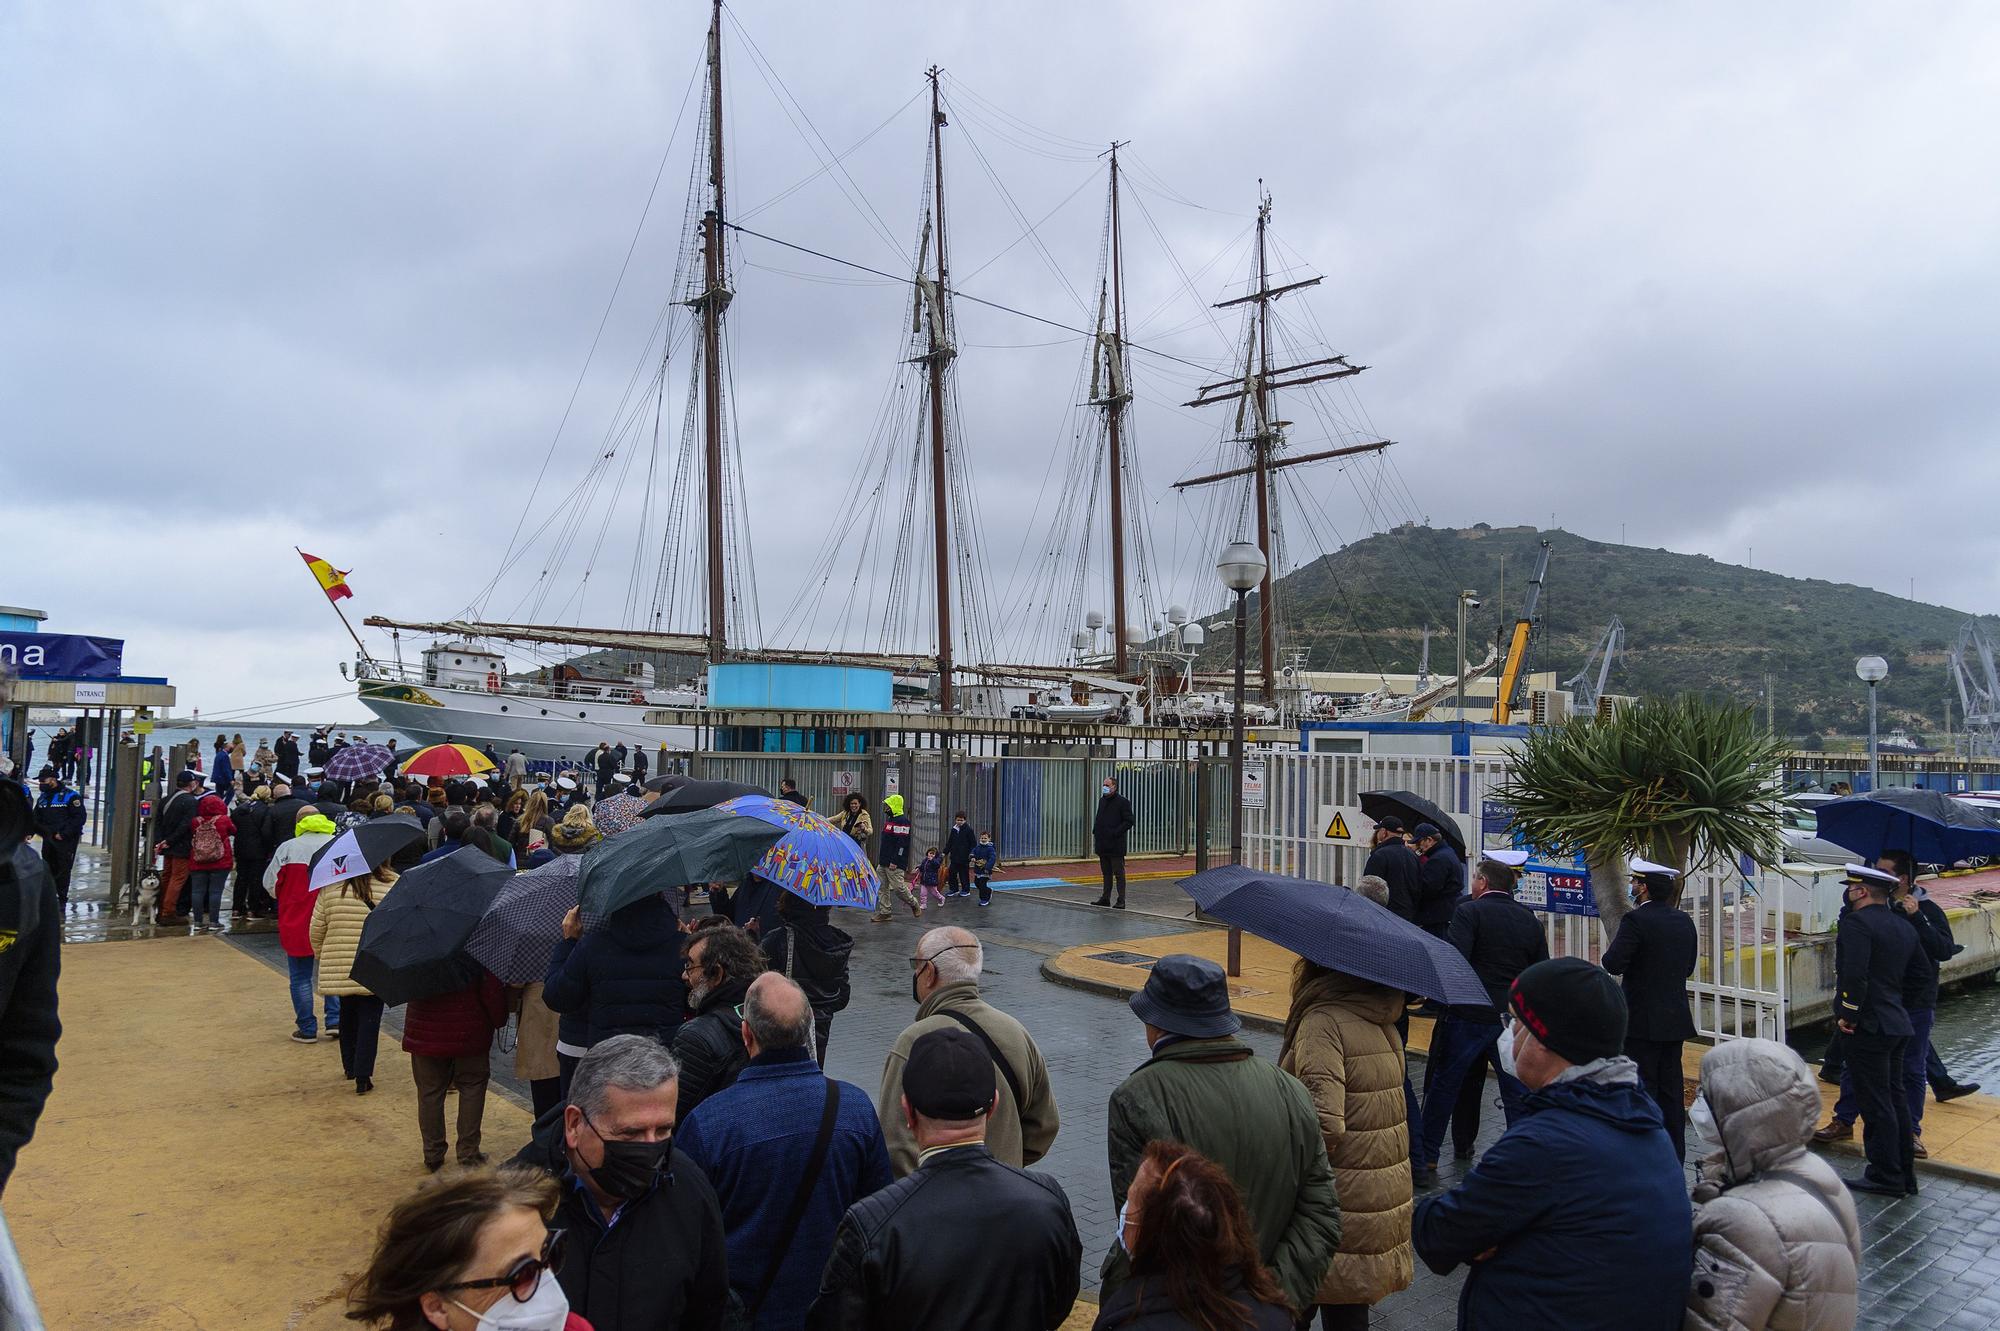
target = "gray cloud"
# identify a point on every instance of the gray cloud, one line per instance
(285, 276)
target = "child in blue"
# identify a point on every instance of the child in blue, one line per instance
(984, 856)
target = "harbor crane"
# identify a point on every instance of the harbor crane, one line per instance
(1587, 684)
(1972, 670)
(1514, 672)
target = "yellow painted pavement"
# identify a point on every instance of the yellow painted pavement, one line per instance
(1963, 1136)
(195, 1168)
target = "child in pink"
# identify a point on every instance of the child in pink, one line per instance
(929, 875)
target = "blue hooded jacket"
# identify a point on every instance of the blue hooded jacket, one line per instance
(1588, 1210)
(623, 979)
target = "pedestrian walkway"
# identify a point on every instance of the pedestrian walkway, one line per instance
(195, 1167)
(1963, 1137)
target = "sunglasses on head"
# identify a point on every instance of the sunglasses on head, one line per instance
(525, 1275)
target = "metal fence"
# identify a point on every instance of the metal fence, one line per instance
(1738, 988)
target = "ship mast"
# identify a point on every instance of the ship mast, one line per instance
(711, 303)
(1264, 435)
(937, 358)
(1111, 344)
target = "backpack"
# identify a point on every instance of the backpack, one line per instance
(208, 844)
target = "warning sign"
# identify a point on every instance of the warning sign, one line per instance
(1344, 823)
(1253, 783)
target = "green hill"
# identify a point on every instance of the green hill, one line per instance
(1690, 623)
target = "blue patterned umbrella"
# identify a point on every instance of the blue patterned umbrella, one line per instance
(519, 930)
(360, 762)
(815, 860)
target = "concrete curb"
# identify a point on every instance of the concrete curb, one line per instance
(1109, 990)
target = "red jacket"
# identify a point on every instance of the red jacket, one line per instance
(458, 1024)
(287, 877)
(211, 806)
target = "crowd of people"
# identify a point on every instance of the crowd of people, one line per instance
(691, 1165)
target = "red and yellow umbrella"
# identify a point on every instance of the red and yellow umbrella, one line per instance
(447, 760)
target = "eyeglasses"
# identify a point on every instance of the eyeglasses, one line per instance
(918, 963)
(524, 1276)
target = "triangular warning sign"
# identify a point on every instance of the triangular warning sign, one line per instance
(1337, 829)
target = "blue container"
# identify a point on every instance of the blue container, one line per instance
(800, 688)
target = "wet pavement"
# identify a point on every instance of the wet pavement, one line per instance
(1929, 1261)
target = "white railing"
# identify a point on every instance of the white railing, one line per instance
(1310, 825)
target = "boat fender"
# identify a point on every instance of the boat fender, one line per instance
(492, 681)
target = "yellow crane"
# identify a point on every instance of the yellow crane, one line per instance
(1506, 696)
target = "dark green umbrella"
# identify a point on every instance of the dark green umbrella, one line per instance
(705, 846)
(413, 945)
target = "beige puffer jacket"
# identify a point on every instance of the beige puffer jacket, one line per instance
(1346, 1051)
(1776, 1240)
(337, 919)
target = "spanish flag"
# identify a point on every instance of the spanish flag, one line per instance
(332, 581)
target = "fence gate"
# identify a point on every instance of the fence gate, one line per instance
(1310, 825)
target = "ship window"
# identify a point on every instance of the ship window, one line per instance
(458, 660)
(503, 706)
(581, 715)
(545, 711)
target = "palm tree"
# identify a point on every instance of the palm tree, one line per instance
(1678, 779)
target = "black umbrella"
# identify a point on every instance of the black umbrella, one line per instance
(1340, 930)
(691, 795)
(704, 846)
(1412, 808)
(362, 848)
(413, 945)
(1931, 825)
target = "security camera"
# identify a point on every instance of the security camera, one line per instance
(1472, 604)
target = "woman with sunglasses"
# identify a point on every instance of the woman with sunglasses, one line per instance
(472, 1252)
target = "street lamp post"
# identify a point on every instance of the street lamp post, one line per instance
(1242, 567)
(1465, 598)
(1872, 670)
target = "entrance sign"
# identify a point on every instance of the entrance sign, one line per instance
(92, 693)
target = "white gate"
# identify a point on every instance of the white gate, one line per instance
(1310, 825)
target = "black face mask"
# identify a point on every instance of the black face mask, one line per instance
(629, 1168)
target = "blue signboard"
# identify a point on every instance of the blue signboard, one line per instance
(1554, 883)
(62, 656)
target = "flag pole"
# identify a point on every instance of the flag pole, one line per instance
(338, 611)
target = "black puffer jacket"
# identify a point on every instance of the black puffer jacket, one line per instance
(661, 1265)
(814, 953)
(625, 978)
(253, 831)
(710, 1048)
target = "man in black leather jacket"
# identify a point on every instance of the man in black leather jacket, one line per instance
(906, 1257)
(721, 963)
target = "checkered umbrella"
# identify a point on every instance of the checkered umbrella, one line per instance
(360, 762)
(519, 930)
(816, 860)
(1339, 929)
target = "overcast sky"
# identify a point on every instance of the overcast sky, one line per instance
(1714, 277)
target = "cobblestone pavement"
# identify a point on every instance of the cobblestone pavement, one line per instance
(1930, 1261)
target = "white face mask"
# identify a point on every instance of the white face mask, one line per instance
(547, 1309)
(1506, 1049)
(1121, 1226)
(1106, 788)
(1701, 1127)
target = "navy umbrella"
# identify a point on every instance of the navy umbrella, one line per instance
(691, 795)
(413, 945)
(1931, 825)
(1338, 929)
(1412, 808)
(519, 930)
(704, 846)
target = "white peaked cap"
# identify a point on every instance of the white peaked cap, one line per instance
(1640, 866)
(1513, 859)
(564, 783)
(1863, 873)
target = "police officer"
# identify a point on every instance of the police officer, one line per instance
(1654, 952)
(59, 823)
(1874, 953)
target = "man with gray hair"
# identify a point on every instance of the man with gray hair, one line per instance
(1375, 887)
(945, 982)
(788, 1151)
(645, 1233)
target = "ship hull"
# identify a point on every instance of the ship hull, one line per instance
(543, 729)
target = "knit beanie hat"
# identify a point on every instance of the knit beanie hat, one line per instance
(1575, 1009)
